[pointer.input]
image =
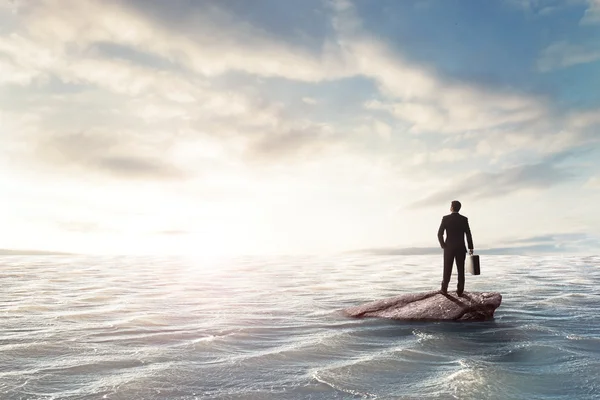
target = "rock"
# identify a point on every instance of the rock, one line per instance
(432, 306)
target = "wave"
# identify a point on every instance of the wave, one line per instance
(123, 328)
(343, 390)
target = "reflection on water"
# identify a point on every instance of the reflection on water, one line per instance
(124, 328)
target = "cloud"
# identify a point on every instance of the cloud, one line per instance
(173, 232)
(62, 41)
(446, 155)
(139, 92)
(26, 59)
(526, 250)
(583, 119)
(110, 154)
(568, 242)
(545, 137)
(481, 185)
(556, 238)
(137, 167)
(541, 7)
(13, 73)
(426, 101)
(563, 54)
(541, 244)
(80, 226)
(457, 112)
(592, 14)
(209, 46)
(526, 5)
(15, 252)
(292, 143)
(593, 182)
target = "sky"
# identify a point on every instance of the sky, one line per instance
(237, 127)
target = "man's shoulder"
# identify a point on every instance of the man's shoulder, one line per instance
(455, 216)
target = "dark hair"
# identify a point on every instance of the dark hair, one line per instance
(456, 205)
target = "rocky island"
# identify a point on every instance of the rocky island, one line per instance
(432, 306)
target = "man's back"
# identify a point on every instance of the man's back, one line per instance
(456, 226)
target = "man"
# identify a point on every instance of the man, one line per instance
(456, 226)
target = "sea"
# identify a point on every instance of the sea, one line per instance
(87, 327)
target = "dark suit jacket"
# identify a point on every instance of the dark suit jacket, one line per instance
(456, 226)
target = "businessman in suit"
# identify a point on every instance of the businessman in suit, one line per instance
(456, 227)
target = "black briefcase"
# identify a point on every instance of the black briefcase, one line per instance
(473, 264)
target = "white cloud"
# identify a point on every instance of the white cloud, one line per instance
(564, 54)
(584, 119)
(60, 41)
(481, 185)
(414, 94)
(111, 153)
(382, 129)
(593, 182)
(526, 5)
(592, 14)
(462, 111)
(543, 7)
(442, 156)
(246, 156)
(10, 72)
(539, 140)
(210, 47)
(418, 97)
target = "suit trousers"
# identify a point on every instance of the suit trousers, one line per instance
(450, 255)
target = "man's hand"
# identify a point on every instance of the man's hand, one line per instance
(470, 252)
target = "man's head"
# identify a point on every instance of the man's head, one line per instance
(455, 206)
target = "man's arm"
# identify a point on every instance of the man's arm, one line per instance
(441, 233)
(469, 236)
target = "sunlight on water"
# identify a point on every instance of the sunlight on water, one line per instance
(168, 328)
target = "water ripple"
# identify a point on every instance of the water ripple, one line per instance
(121, 328)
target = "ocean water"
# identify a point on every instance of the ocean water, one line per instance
(156, 328)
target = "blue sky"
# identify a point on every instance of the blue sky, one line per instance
(268, 126)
